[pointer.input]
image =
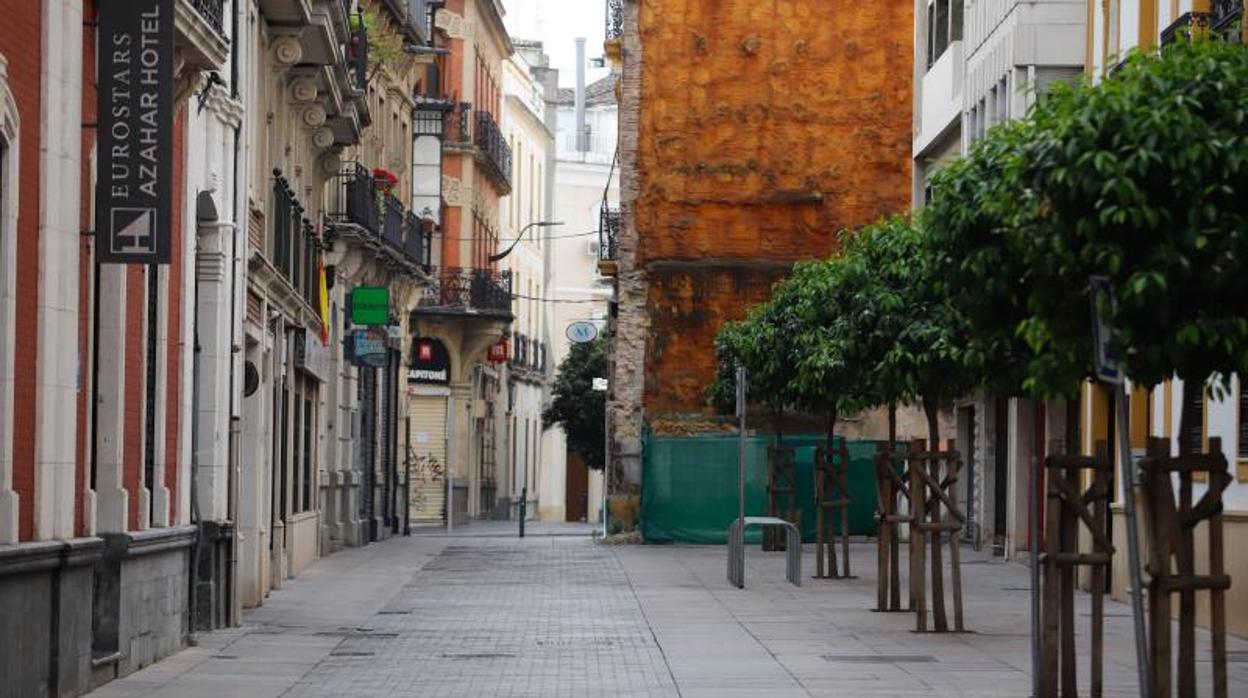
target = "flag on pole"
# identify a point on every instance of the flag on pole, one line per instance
(323, 285)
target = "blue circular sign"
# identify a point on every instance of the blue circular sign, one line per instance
(582, 332)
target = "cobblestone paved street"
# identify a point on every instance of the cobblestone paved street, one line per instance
(486, 614)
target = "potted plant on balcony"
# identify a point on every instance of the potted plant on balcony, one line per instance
(383, 183)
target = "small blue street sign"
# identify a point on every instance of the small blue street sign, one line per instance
(582, 332)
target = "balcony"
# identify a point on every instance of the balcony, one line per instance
(1188, 24)
(353, 200)
(476, 132)
(608, 240)
(493, 151)
(418, 240)
(615, 20)
(1226, 18)
(201, 35)
(458, 290)
(358, 209)
(292, 246)
(357, 56)
(392, 221)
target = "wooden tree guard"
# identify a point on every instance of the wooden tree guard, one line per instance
(831, 497)
(932, 477)
(1069, 509)
(781, 493)
(890, 488)
(1170, 528)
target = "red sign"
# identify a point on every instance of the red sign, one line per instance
(498, 352)
(426, 351)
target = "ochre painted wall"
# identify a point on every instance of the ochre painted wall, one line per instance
(764, 128)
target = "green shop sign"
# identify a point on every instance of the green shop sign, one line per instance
(370, 305)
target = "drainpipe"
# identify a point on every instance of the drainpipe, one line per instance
(234, 457)
(582, 142)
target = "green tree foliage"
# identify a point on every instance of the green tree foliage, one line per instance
(576, 406)
(760, 342)
(1142, 178)
(910, 336)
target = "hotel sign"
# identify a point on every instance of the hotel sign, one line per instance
(134, 191)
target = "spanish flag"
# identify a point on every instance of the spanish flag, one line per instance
(323, 285)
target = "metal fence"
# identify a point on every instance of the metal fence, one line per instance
(460, 288)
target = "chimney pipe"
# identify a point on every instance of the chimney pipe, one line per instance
(582, 134)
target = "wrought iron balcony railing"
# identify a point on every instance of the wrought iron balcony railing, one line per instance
(458, 289)
(357, 53)
(495, 151)
(1223, 16)
(353, 199)
(1185, 26)
(213, 12)
(608, 234)
(418, 240)
(293, 247)
(392, 215)
(615, 20)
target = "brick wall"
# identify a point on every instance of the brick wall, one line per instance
(19, 42)
(760, 130)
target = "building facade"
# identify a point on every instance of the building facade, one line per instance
(742, 151)
(523, 471)
(98, 523)
(588, 199)
(457, 417)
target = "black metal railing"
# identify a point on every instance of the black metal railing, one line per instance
(1223, 14)
(615, 19)
(213, 12)
(1185, 26)
(293, 247)
(392, 221)
(354, 199)
(417, 239)
(458, 288)
(458, 127)
(493, 147)
(608, 233)
(357, 54)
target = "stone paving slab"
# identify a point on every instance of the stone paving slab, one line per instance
(557, 615)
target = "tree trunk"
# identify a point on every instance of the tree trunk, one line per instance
(930, 409)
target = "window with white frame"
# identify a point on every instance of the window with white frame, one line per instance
(944, 26)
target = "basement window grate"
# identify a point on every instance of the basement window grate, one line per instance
(880, 658)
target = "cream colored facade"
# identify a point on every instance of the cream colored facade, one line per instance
(522, 465)
(580, 293)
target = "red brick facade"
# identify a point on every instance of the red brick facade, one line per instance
(20, 45)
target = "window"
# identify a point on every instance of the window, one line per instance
(944, 26)
(1241, 416)
(1192, 422)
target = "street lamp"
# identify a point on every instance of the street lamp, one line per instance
(525, 229)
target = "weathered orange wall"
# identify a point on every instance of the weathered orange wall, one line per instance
(764, 128)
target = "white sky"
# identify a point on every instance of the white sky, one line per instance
(557, 23)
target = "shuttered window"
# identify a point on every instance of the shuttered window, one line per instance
(1192, 423)
(1242, 414)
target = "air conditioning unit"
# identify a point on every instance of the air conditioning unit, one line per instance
(594, 248)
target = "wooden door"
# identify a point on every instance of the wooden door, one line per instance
(576, 506)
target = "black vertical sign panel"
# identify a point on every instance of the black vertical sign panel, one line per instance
(134, 182)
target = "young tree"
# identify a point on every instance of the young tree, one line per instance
(579, 408)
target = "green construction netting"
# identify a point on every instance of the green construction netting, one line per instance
(689, 486)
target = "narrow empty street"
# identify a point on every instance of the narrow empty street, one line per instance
(483, 613)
